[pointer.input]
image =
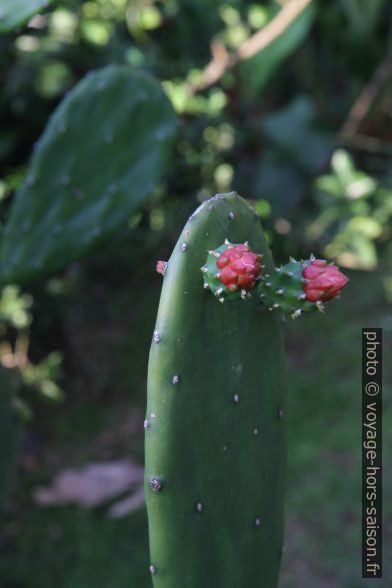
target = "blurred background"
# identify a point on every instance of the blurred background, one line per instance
(288, 102)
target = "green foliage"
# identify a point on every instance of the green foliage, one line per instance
(257, 71)
(14, 307)
(16, 12)
(296, 143)
(297, 135)
(215, 426)
(9, 435)
(362, 17)
(43, 377)
(355, 213)
(328, 55)
(100, 156)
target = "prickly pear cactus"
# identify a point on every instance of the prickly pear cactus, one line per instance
(100, 156)
(284, 289)
(301, 286)
(232, 270)
(215, 423)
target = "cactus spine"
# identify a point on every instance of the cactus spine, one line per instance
(215, 426)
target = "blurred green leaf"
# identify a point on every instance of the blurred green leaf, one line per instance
(14, 13)
(258, 70)
(43, 376)
(355, 211)
(279, 182)
(342, 165)
(295, 132)
(365, 225)
(362, 16)
(354, 250)
(14, 307)
(102, 153)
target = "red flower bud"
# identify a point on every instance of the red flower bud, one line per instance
(324, 282)
(161, 267)
(239, 267)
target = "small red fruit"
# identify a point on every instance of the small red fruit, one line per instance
(324, 282)
(239, 267)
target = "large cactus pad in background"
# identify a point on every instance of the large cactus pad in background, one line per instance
(215, 424)
(102, 153)
(14, 13)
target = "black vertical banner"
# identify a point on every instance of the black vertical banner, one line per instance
(371, 453)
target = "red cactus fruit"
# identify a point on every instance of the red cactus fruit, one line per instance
(324, 282)
(239, 267)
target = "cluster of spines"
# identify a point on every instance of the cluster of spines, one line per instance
(219, 290)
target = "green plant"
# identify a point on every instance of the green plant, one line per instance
(215, 427)
(355, 214)
(101, 155)
(362, 17)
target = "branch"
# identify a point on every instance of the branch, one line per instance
(365, 143)
(278, 25)
(222, 61)
(367, 98)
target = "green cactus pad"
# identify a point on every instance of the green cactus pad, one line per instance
(283, 289)
(101, 155)
(215, 424)
(14, 13)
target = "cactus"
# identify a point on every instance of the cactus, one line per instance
(231, 270)
(215, 426)
(301, 286)
(102, 153)
(14, 13)
(9, 436)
